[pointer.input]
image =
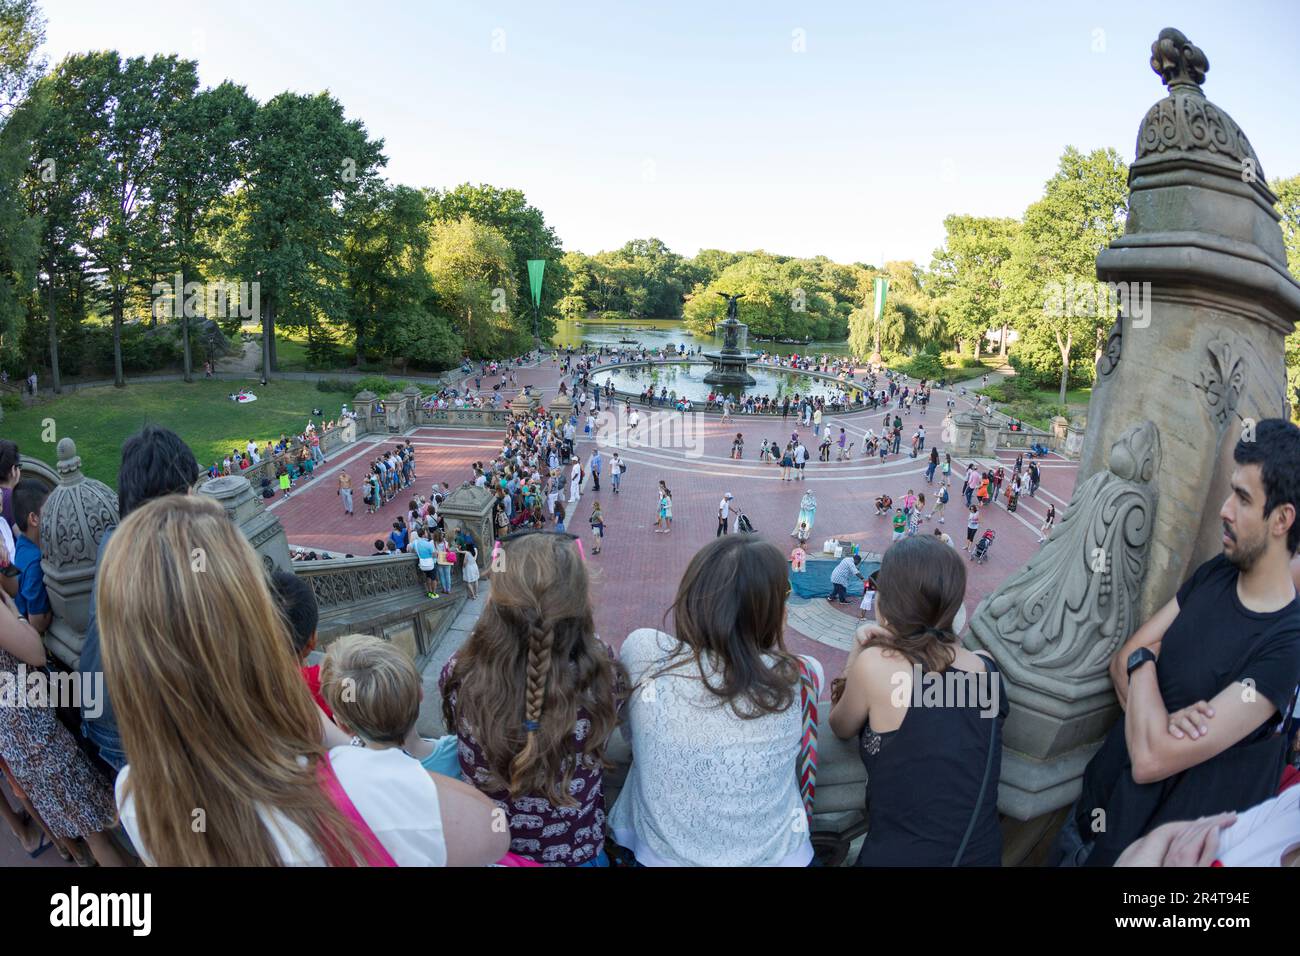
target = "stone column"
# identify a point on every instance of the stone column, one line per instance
(73, 521)
(1206, 301)
(363, 406)
(245, 509)
(470, 507)
(414, 398)
(1195, 356)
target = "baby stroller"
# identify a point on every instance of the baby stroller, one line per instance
(846, 454)
(743, 524)
(982, 547)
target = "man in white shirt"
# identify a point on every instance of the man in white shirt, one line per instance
(800, 458)
(724, 512)
(575, 481)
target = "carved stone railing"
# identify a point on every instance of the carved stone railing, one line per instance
(383, 595)
(486, 418)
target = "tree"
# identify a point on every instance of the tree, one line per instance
(22, 31)
(306, 159)
(385, 276)
(1084, 207)
(524, 228)
(969, 275)
(206, 143)
(472, 267)
(1288, 207)
(126, 106)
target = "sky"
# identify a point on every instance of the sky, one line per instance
(845, 129)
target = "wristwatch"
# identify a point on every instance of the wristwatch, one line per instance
(1138, 658)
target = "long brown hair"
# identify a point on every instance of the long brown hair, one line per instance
(729, 612)
(531, 662)
(922, 583)
(214, 713)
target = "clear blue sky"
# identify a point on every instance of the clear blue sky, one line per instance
(699, 123)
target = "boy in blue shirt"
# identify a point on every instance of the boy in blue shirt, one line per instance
(32, 600)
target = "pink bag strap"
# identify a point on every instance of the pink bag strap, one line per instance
(372, 850)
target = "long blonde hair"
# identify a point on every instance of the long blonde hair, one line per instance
(214, 714)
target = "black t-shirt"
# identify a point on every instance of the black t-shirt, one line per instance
(1213, 643)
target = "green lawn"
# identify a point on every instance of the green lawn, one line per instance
(100, 419)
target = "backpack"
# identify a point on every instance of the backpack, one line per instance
(943, 496)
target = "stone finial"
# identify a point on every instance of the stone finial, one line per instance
(1177, 60)
(69, 462)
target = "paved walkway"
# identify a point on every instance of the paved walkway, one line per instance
(636, 575)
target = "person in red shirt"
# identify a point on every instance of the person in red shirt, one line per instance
(298, 605)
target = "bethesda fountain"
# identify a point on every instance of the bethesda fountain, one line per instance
(729, 365)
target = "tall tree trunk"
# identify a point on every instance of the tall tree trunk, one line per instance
(1064, 345)
(119, 380)
(1003, 350)
(54, 341)
(361, 341)
(275, 362)
(185, 331)
(268, 333)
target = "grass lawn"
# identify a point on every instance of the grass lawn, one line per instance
(100, 419)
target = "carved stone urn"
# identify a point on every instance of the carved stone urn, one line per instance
(73, 521)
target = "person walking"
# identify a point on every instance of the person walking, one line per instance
(1048, 522)
(1035, 476)
(616, 469)
(665, 510)
(345, 492)
(597, 522)
(594, 464)
(972, 526)
(934, 464)
(724, 513)
(940, 503)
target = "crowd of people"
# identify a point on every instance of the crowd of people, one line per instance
(323, 765)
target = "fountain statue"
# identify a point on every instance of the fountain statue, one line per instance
(729, 365)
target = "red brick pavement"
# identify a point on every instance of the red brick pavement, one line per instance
(636, 575)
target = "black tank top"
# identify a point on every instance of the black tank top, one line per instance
(925, 778)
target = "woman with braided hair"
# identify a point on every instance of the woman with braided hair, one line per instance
(927, 714)
(534, 695)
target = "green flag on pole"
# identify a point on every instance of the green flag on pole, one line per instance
(536, 267)
(882, 289)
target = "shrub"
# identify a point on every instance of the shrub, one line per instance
(346, 386)
(11, 402)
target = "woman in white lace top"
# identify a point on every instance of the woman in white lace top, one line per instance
(716, 719)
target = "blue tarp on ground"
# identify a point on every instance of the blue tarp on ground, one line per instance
(815, 580)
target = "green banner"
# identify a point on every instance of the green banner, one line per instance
(882, 289)
(536, 267)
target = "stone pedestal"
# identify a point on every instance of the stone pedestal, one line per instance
(470, 507)
(524, 404)
(562, 407)
(245, 509)
(1073, 446)
(976, 435)
(363, 406)
(73, 521)
(1060, 429)
(397, 412)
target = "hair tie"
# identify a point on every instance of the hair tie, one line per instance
(532, 726)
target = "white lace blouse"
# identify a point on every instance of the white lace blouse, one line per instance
(706, 788)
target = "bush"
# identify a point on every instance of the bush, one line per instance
(346, 386)
(925, 365)
(11, 402)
